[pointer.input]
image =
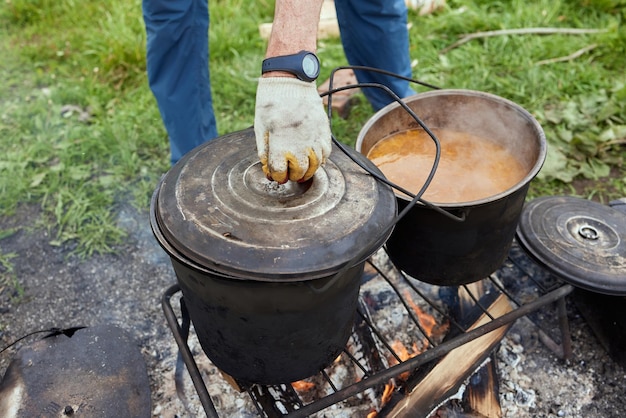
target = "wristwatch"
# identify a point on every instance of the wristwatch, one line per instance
(305, 65)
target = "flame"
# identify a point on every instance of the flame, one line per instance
(427, 322)
(386, 397)
(302, 386)
(389, 387)
(403, 353)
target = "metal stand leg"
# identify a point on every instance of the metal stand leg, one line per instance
(566, 336)
(180, 336)
(563, 350)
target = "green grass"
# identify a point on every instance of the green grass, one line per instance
(90, 54)
(580, 103)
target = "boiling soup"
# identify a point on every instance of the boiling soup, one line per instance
(470, 167)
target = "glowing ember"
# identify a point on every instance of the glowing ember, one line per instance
(302, 386)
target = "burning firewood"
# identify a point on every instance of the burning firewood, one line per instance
(482, 392)
(444, 379)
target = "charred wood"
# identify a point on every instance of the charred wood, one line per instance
(482, 394)
(446, 377)
(274, 401)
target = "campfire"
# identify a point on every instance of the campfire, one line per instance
(270, 316)
(413, 347)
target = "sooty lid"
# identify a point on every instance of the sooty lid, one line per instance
(217, 209)
(580, 241)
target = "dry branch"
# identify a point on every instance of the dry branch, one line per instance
(569, 57)
(524, 31)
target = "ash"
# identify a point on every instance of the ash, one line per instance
(59, 289)
(534, 382)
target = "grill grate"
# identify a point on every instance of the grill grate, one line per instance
(528, 288)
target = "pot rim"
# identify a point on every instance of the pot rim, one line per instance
(170, 250)
(532, 173)
(216, 209)
(181, 258)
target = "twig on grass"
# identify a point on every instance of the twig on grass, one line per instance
(524, 31)
(569, 57)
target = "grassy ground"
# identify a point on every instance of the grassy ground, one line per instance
(80, 130)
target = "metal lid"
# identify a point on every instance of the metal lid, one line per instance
(216, 208)
(580, 241)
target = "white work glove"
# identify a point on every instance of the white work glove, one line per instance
(291, 128)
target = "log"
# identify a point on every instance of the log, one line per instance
(275, 399)
(447, 376)
(482, 394)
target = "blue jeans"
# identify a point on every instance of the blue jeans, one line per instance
(178, 70)
(373, 33)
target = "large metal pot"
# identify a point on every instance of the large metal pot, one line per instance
(261, 265)
(433, 247)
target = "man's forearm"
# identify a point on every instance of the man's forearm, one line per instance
(295, 27)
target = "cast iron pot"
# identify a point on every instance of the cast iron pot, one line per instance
(270, 273)
(435, 248)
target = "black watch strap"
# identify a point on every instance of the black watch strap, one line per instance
(304, 65)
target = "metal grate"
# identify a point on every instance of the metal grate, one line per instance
(527, 287)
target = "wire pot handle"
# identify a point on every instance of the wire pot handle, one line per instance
(415, 197)
(411, 113)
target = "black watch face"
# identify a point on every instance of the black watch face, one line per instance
(310, 65)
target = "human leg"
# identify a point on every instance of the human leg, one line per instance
(374, 33)
(178, 71)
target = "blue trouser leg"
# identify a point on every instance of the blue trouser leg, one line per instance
(178, 70)
(374, 34)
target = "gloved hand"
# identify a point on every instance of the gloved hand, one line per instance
(291, 128)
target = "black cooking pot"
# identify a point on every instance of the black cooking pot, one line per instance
(440, 249)
(270, 273)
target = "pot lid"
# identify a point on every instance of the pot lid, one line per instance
(216, 208)
(98, 369)
(580, 241)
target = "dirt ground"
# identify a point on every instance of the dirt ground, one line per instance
(124, 289)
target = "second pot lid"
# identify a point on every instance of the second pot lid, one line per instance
(216, 207)
(580, 241)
